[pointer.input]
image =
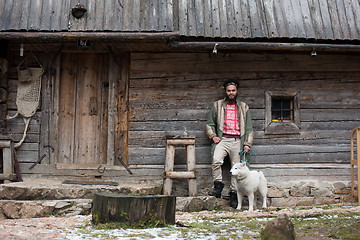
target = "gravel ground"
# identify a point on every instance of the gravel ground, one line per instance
(39, 228)
(63, 227)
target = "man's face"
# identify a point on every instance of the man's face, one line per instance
(231, 92)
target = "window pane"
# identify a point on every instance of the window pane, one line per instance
(276, 115)
(276, 104)
(286, 115)
(286, 104)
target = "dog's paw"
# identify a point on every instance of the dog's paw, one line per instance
(238, 208)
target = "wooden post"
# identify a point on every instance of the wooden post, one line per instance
(358, 161)
(150, 210)
(8, 166)
(191, 167)
(354, 162)
(169, 167)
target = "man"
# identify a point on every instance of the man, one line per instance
(230, 128)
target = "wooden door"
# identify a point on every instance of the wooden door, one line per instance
(83, 110)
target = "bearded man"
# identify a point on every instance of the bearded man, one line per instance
(229, 127)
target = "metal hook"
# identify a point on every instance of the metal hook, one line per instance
(313, 53)
(99, 170)
(215, 50)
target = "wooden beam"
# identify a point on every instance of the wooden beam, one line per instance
(267, 46)
(90, 35)
(185, 175)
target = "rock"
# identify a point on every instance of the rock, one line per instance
(22, 209)
(300, 190)
(190, 204)
(339, 185)
(292, 201)
(280, 229)
(62, 204)
(13, 209)
(274, 192)
(320, 192)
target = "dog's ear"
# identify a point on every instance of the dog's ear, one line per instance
(242, 164)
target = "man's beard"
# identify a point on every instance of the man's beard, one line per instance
(231, 99)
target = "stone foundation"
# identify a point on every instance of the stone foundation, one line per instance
(289, 194)
(42, 197)
(308, 193)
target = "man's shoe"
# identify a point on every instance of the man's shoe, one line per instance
(233, 199)
(218, 187)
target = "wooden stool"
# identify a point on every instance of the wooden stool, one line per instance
(169, 174)
(6, 146)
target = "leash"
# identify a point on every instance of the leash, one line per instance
(243, 154)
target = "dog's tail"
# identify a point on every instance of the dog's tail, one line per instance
(262, 177)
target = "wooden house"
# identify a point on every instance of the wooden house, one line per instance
(127, 74)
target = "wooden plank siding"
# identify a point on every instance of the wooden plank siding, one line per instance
(172, 92)
(299, 19)
(240, 19)
(105, 15)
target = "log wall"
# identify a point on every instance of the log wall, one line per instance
(172, 92)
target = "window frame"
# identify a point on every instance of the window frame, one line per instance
(282, 127)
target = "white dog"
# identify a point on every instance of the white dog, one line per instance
(247, 183)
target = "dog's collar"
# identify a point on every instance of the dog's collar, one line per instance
(240, 179)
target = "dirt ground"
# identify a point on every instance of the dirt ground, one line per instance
(58, 227)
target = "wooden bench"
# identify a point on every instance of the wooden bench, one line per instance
(169, 173)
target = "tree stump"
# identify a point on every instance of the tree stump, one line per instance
(146, 210)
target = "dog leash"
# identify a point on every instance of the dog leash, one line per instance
(243, 153)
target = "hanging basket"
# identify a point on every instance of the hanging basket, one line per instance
(24, 74)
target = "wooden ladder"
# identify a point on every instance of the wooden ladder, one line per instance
(169, 173)
(355, 151)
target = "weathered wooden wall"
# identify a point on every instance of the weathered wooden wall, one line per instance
(173, 92)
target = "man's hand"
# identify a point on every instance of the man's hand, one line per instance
(216, 139)
(246, 148)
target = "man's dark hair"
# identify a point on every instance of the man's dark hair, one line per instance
(231, 82)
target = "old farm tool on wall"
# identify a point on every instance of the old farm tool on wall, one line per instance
(355, 153)
(125, 166)
(38, 161)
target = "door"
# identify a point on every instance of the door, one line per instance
(83, 110)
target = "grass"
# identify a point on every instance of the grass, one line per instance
(336, 226)
(325, 226)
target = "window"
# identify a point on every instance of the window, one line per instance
(282, 112)
(282, 109)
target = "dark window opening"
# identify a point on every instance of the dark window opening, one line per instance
(282, 109)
